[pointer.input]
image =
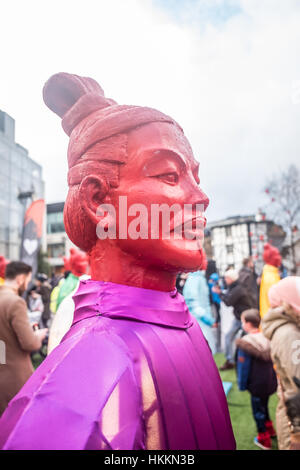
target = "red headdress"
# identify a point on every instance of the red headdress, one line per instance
(271, 255)
(77, 263)
(3, 264)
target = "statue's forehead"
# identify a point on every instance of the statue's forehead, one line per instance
(160, 136)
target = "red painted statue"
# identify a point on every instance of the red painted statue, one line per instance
(134, 371)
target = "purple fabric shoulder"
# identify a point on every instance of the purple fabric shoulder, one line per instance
(66, 403)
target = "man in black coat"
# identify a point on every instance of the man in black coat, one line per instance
(248, 279)
(238, 298)
(44, 289)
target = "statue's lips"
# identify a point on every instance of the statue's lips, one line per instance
(192, 228)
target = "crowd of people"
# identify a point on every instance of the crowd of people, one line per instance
(27, 309)
(204, 291)
(17, 333)
(262, 342)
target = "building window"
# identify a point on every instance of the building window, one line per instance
(55, 222)
(228, 231)
(229, 249)
(56, 250)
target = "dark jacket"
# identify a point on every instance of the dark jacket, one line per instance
(180, 284)
(255, 371)
(237, 297)
(45, 291)
(248, 279)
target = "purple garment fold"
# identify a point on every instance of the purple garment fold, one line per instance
(133, 372)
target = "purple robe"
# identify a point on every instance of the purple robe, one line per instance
(133, 372)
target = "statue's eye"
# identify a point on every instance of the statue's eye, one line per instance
(171, 178)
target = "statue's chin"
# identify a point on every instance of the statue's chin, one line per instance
(168, 255)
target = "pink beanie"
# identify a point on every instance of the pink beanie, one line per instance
(287, 290)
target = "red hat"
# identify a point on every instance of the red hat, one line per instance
(3, 263)
(77, 263)
(271, 255)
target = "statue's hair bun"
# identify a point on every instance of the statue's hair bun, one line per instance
(63, 90)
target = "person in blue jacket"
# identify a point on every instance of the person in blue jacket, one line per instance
(196, 294)
(215, 298)
(216, 306)
(256, 374)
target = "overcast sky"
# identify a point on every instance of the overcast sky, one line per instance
(227, 70)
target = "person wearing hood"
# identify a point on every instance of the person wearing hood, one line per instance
(256, 374)
(281, 325)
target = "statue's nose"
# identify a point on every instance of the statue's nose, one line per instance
(202, 199)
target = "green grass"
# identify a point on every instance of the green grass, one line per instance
(36, 360)
(243, 423)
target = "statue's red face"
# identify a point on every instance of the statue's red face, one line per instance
(161, 169)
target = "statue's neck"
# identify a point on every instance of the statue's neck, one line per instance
(110, 264)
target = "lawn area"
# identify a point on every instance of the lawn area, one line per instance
(36, 360)
(240, 411)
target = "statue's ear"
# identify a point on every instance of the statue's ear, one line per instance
(93, 190)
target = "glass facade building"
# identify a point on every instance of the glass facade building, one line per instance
(56, 236)
(58, 242)
(18, 174)
(55, 218)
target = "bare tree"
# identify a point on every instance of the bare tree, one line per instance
(283, 191)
